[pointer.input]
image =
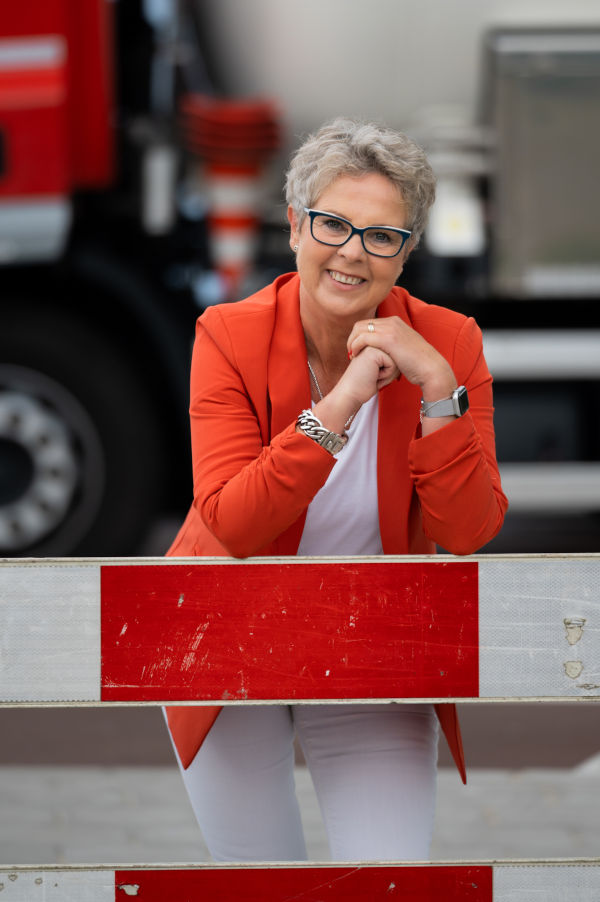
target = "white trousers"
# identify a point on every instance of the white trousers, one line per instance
(373, 768)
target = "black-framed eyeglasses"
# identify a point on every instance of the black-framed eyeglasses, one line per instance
(381, 241)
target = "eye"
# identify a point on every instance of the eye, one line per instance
(384, 241)
(333, 225)
(381, 237)
(330, 229)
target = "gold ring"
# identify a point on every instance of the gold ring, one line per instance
(370, 327)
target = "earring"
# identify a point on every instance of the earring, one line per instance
(295, 248)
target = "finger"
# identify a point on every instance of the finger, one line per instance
(363, 329)
(366, 339)
(387, 374)
(358, 328)
(384, 380)
(372, 363)
(387, 366)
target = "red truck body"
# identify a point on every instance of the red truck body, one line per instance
(57, 93)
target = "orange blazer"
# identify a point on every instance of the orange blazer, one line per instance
(254, 475)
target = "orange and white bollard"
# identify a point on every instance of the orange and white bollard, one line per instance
(234, 140)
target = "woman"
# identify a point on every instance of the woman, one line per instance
(329, 415)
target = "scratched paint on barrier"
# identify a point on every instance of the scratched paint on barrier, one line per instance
(277, 630)
(310, 884)
(509, 881)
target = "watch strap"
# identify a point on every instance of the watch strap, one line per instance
(454, 406)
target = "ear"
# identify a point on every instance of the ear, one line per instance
(294, 228)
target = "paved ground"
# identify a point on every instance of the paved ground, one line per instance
(116, 815)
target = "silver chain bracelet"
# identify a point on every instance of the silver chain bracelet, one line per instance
(312, 426)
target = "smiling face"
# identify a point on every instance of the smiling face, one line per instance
(347, 283)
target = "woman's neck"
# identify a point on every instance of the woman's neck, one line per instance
(327, 348)
(326, 337)
(326, 342)
(328, 357)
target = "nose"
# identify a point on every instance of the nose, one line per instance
(353, 249)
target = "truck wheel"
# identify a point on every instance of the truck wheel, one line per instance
(81, 453)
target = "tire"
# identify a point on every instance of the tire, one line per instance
(81, 451)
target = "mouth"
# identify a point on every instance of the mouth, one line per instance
(345, 279)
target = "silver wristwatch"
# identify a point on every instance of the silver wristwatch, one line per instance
(454, 406)
(312, 426)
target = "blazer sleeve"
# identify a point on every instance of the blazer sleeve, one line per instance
(246, 493)
(454, 469)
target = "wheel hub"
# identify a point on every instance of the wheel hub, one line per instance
(41, 466)
(48, 451)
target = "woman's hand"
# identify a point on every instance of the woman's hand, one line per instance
(367, 373)
(377, 357)
(414, 357)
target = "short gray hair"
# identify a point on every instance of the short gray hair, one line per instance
(351, 147)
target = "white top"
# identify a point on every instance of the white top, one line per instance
(343, 517)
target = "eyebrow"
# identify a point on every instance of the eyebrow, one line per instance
(376, 225)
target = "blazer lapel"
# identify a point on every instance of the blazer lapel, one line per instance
(288, 382)
(398, 417)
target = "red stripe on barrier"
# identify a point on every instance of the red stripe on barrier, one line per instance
(326, 884)
(283, 631)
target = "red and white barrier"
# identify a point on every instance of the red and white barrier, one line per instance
(288, 629)
(515, 882)
(90, 631)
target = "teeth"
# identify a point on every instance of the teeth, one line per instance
(347, 280)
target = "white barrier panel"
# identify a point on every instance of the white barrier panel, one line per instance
(539, 627)
(73, 885)
(556, 883)
(49, 632)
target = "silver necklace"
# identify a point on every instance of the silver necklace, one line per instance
(320, 393)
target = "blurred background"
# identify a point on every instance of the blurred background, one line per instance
(142, 151)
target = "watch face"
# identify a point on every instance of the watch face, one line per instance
(461, 399)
